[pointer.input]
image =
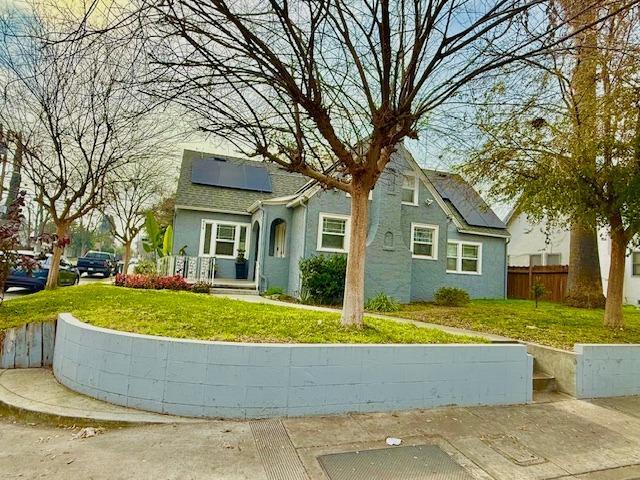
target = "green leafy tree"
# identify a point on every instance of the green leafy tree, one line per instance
(159, 239)
(559, 163)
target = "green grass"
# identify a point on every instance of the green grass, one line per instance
(198, 316)
(550, 324)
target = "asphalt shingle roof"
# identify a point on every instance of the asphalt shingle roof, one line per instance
(230, 199)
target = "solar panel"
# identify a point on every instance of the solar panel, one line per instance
(220, 173)
(465, 200)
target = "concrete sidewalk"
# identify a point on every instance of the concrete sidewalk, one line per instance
(444, 328)
(561, 439)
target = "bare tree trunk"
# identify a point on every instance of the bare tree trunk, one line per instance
(584, 283)
(615, 289)
(54, 269)
(353, 306)
(127, 257)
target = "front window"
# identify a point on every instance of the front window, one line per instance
(333, 233)
(464, 257)
(223, 239)
(553, 259)
(424, 241)
(409, 189)
(635, 264)
(535, 260)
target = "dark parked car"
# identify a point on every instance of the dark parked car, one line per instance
(94, 262)
(36, 279)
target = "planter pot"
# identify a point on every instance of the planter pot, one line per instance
(241, 271)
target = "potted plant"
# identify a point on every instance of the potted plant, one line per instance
(241, 266)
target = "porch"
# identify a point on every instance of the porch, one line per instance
(202, 269)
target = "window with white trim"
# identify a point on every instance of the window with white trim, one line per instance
(333, 233)
(424, 241)
(635, 264)
(223, 239)
(464, 257)
(409, 189)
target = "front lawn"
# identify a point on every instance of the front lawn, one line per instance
(198, 316)
(550, 324)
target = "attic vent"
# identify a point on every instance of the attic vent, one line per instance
(218, 159)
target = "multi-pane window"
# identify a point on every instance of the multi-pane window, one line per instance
(409, 189)
(464, 257)
(223, 239)
(332, 233)
(424, 241)
(635, 263)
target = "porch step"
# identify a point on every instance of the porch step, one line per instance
(233, 291)
(543, 382)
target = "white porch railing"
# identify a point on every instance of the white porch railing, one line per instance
(192, 269)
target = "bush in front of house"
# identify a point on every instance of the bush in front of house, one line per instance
(201, 287)
(145, 267)
(451, 297)
(151, 282)
(382, 303)
(323, 279)
(273, 291)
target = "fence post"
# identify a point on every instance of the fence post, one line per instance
(530, 280)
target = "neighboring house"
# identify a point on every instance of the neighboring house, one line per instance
(534, 244)
(426, 230)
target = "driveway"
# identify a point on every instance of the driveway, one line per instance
(84, 280)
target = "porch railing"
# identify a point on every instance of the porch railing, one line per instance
(192, 269)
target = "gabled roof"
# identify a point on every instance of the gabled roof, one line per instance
(208, 197)
(465, 204)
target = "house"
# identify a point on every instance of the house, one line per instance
(426, 230)
(540, 243)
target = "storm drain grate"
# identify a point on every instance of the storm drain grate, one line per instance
(279, 458)
(423, 462)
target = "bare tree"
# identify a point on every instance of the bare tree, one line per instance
(330, 88)
(136, 189)
(82, 119)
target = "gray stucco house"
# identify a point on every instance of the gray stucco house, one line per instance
(427, 229)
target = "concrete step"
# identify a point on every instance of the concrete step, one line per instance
(543, 382)
(233, 291)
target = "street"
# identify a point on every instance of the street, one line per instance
(84, 280)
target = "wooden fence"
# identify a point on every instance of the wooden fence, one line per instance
(552, 277)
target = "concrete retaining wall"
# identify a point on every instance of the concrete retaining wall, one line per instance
(236, 380)
(28, 346)
(607, 370)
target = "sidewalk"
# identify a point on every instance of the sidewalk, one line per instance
(563, 439)
(444, 328)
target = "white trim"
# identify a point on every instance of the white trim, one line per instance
(483, 234)
(212, 210)
(347, 227)
(458, 270)
(214, 234)
(270, 201)
(416, 188)
(434, 240)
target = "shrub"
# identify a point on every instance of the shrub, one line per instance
(382, 303)
(273, 291)
(201, 287)
(323, 278)
(145, 267)
(151, 282)
(175, 282)
(538, 291)
(451, 297)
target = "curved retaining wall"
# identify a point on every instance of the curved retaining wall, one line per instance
(241, 380)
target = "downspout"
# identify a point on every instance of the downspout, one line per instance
(506, 266)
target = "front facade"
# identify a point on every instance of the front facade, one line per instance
(536, 243)
(426, 230)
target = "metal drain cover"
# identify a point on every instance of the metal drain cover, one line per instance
(420, 462)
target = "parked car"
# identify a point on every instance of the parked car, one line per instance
(93, 262)
(36, 279)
